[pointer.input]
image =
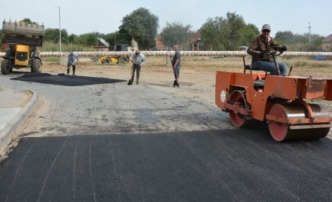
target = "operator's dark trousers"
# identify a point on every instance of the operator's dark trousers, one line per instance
(135, 68)
(68, 68)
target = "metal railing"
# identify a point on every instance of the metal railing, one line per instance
(169, 53)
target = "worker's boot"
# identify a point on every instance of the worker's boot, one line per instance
(174, 84)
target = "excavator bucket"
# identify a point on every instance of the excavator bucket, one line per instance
(22, 33)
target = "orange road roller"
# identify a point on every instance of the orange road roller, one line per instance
(292, 106)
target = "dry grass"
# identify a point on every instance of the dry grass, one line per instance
(301, 66)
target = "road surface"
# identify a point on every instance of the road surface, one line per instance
(98, 139)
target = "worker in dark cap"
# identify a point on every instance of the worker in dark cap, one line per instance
(260, 48)
(138, 59)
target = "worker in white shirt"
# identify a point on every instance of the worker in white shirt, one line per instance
(72, 59)
(137, 58)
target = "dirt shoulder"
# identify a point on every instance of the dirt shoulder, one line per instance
(197, 75)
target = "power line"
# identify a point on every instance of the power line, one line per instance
(64, 14)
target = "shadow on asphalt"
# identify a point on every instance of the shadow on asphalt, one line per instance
(215, 165)
(64, 80)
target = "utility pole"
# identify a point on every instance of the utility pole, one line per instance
(309, 34)
(60, 30)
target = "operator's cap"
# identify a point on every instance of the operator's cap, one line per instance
(266, 27)
(137, 51)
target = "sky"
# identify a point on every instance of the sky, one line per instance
(105, 16)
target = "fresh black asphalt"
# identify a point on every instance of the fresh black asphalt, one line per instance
(220, 165)
(65, 80)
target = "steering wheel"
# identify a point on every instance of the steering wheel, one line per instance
(278, 50)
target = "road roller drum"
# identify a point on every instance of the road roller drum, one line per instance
(293, 122)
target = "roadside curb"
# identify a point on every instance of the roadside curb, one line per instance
(7, 132)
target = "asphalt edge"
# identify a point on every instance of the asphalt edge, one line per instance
(7, 132)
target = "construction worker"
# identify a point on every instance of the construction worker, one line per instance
(72, 59)
(260, 48)
(176, 60)
(138, 59)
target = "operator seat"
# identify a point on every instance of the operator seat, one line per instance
(259, 83)
(248, 67)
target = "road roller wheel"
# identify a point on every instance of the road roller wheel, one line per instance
(278, 130)
(237, 98)
(282, 132)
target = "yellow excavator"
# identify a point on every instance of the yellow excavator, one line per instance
(110, 58)
(21, 41)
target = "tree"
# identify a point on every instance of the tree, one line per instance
(211, 33)
(176, 33)
(297, 42)
(53, 35)
(28, 21)
(233, 31)
(141, 26)
(115, 38)
(249, 33)
(89, 39)
(223, 34)
(72, 38)
(286, 37)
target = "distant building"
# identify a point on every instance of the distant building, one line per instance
(102, 45)
(159, 44)
(195, 44)
(327, 43)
